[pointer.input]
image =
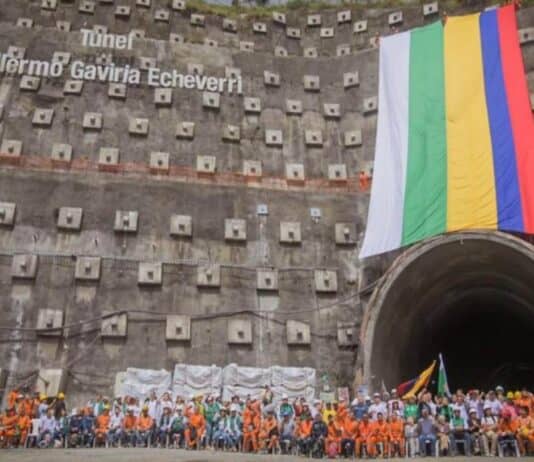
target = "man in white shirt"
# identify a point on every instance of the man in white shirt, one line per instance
(378, 406)
(115, 426)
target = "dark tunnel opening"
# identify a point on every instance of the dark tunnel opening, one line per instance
(470, 298)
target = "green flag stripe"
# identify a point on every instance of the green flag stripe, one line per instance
(425, 200)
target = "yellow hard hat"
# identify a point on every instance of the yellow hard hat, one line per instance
(517, 394)
(510, 395)
(145, 408)
(61, 395)
(42, 396)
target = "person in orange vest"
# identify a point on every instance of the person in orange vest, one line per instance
(525, 432)
(507, 430)
(333, 439)
(196, 427)
(269, 433)
(251, 428)
(525, 399)
(23, 424)
(144, 427)
(129, 425)
(349, 435)
(12, 397)
(303, 433)
(379, 436)
(102, 426)
(396, 435)
(8, 429)
(365, 430)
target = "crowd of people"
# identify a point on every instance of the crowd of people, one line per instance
(383, 425)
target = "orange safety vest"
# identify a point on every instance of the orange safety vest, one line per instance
(102, 422)
(144, 423)
(129, 422)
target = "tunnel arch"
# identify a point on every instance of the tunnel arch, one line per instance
(469, 295)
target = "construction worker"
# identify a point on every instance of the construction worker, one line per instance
(88, 427)
(8, 429)
(365, 430)
(525, 431)
(102, 426)
(378, 440)
(195, 429)
(251, 428)
(144, 427)
(269, 433)
(23, 424)
(333, 439)
(303, 433)
(396, 435)
(507, 429)
(349, 435)
(129, 427)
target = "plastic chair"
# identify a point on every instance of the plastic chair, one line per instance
(33, 435)
(503, 443)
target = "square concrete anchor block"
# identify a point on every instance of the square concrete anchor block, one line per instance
(181, 225)
(138, 126)
(159, 161)
(143, 3)
(235, 229)
(16, 52)
(138, 33)
(113, 326)
(280, 52)
(150, 274)
(211, 43)
(295, 172)
(246, 46)
(239, 331)
(29, 83)
(344, 16)
(252, 168)
(279, 18)
(92, 121)
(343, 50)
(7, 213)
(24, 266)
(61, 152)
(273, 137)
(312, 83)
(123, 11)
(395, 18)
(198, 20)
(73, 87)
(146, 63)
(176, 38)
(293, 33)
(105, 59)
(229, 25)
(351, 79)
(211, 100)
(337, 172)
(352, 138)
(161, 15)
(271, 79)
(126, 221)
(345, 233)
(332, 110)
(252, 105)
(298, 333)
(178, 328)
(209, 275)
(206, 164)
(293, 107)
(11, 148)
(62, 57)
(86, 7)
(178, 5)
(290, 232)
(117, 90)
(310, 52)
(70, 218)
(325, 281)
(313, 138)
(259, 28)
(360, 26)
(370, 105)
(231, 133)
(526, 35)
(430, 9)
(49, 5)
(108, 156)
(195, 68)
(100, 29)
(63, 26)
(88, 268)
(232, 72)
(43, 118)
(185, 130)
(267, 279)
(313, 20)
(347, 334)
(326, 32)
(163, 96)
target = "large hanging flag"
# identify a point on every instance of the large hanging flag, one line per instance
(455, 133)
(443, 383)
(420, 382)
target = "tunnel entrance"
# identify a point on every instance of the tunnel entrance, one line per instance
(469, 296)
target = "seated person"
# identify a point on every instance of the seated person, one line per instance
(145, 424)
(489, 425)
(426, 429)
(178, 424)
(303, 433)
(460, 432)
(74, 437)
(443, 433)
(396, 435)
(319, 432)
(474, 429)
(349, 435)
(129, 427)
(195, 429)
(333, 438)
(115, 426)
(102, 427)
(525, 432)
(269, 434)
(88, 427)
(365, 429)
(287, 433)
(49, 429)
(164, 428)
(411, 437)
(378, 439)
(9, 435)
(251, 428)
(507, 430)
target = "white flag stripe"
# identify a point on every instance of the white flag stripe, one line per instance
(386, 208)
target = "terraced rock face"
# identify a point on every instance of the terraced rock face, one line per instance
(177, 163)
